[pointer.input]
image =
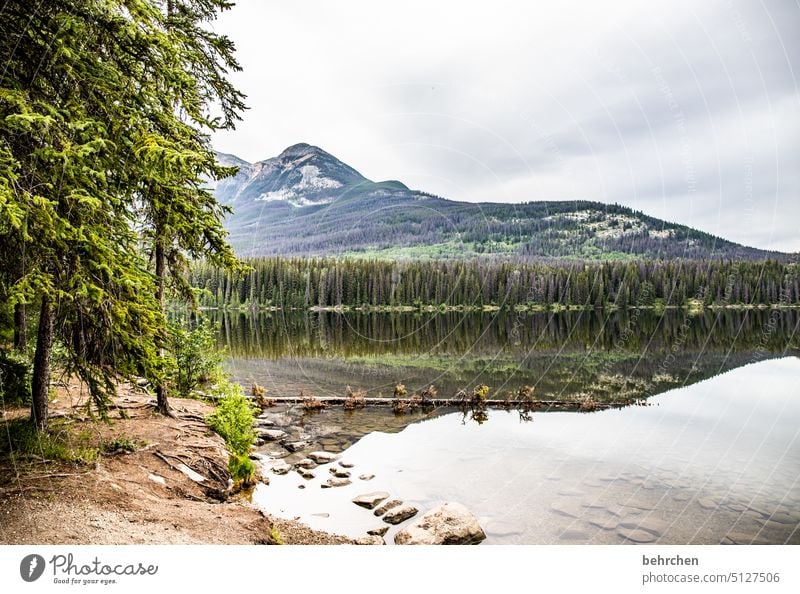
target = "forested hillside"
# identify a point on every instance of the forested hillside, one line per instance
(307, 202)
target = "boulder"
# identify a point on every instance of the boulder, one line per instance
(400, 514)
(339, 472)
(295, 446)
(322, 457)
(335, 482)
(448, 523)
(387, 506)
(281, 468)
(306, 463)
(378, 531)
(371, 540)
(366, 477)
(271, 434)
(346, 464)
(370, 500)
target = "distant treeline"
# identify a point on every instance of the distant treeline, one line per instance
(329, 282)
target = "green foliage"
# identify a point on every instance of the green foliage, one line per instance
(196, 359)
(241, 468)
(15, 389)
(233, 420)
(121, 443)
(105, 115)
(22, 441)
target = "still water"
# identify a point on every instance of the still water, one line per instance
(713, 458)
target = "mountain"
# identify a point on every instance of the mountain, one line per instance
(307, 202)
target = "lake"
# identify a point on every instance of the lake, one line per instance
(713, 457)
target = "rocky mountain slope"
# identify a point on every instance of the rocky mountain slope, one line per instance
(307, 202)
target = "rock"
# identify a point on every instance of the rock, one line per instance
(640, 536)
(259, 442)
(306, 463)
(281, 468)
(141, 382)
(306, 474)
(370, 500)
(378, 531)
(400, 514)
(157, 479)
(366, 477)
(707, 503)
(301, 486)
(295, 446)
(648, 523)
(322, 457)
(603, 524)
(782, 517)
(339, 472)
(742, 538)
(322, 515)
(275, 419)
(194, 476)
(371, 540)
(448, 523)
(387, 506)
(569, 509)
(346, 464)
(335, 482)
(573, 535)
(271, 434)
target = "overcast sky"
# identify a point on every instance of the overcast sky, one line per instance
(688, 111)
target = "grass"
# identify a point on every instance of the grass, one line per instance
(22, 442)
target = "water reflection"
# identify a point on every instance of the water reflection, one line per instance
(714, 462)
(606, 355)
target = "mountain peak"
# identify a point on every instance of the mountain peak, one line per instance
(300, 149)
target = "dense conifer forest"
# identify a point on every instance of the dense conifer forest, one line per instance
(329, 282)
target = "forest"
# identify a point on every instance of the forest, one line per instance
(336, 282)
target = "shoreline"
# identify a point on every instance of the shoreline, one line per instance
(143, 496)
(553, 308)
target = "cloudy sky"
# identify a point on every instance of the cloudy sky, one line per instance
(688, 111)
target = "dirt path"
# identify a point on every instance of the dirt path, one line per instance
(139, 497)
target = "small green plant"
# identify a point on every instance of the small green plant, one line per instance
(119, 444)
(479, 394)
(196, 358)
(233, 420)
(276, 536)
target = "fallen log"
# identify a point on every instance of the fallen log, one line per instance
(459, 403)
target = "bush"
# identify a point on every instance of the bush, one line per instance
(196, 357)
(15, 387)
(233, 420)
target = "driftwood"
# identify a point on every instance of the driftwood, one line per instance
(570, 405)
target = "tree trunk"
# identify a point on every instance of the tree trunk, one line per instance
(20, 327)
(161, 389)
(40, 385)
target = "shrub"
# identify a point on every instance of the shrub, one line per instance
(197, 360)
(233, 420)
(14, 379)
